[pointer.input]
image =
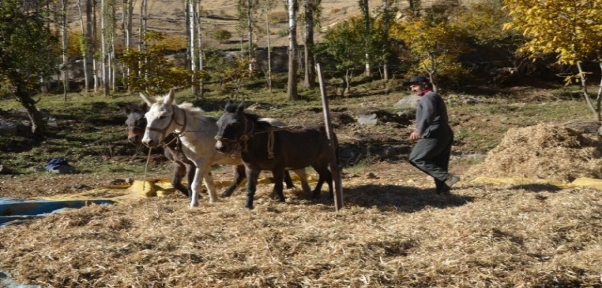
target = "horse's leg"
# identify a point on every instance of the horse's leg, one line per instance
(239, 175)
(288, 180)
(278, 187)
(252, 186)
(179, 170)
(190, 171)
(196, 185)
(303, 176)
(208, 179)
(323, 175)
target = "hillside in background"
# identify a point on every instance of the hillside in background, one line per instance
(167, 16)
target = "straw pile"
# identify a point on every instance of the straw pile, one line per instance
(388, 235)
(543, 151)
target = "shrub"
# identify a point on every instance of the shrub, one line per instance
(222, 36)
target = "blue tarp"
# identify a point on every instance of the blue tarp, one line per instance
(14, 209)
(6, 282)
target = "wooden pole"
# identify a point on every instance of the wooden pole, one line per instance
(334, 165)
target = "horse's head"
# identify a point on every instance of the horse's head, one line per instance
(135, 121)
(160, 119)
(231, 126)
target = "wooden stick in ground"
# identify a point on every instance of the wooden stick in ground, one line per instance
(334, 165)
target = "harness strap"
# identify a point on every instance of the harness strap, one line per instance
(271, 144)
(245, 137)
(172, 119)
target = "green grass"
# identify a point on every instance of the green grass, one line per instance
(91, 130)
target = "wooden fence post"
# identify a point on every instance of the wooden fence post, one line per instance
(334, 165)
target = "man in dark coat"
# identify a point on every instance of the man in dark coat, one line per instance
(433, 134)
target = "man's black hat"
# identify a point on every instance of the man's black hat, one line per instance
(416, 80)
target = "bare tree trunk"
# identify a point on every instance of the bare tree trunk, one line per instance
(386, 25)
(200, 48)
(38, 126)
(595, 108)
(112, 64)
(193, 46)
(142, 28)
(111, 30)
(310, 72)
(364, 5)
(142, 33)
(93, 44)
(599, 96)
(292, 50)
(84, 47)
(187, 17)
(128, 9)
(65, 66)
(269, 51)
(103, 47)
(250, 31)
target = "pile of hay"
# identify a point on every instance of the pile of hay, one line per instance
(543, 151)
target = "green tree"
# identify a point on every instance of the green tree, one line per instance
(150, 71)
(345, 44)
(28, 52)
(570, 29)
(493, 48)
(434, 47)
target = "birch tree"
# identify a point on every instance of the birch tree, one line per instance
(311, 16)
(83, 43)
(292, 6)
(192, 12)
(364, 6)
(268, 6)
(64, 44)
(128, 10)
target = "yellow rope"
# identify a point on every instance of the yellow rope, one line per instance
(145, 167)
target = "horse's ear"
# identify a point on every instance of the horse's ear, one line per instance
(147, 100)
(124, 108)
(168, 99)
(228, 104)
(240, 107)
(144, 106)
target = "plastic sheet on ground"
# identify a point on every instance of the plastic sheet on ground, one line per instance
(13, 211)
(16, 210)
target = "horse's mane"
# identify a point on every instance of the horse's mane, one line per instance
(195, 111)
(231, 108)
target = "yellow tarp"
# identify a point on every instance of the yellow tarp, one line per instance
(579, 182)
(144, 188)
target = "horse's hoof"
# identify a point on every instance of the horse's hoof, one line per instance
(281, 200)
(250, 207)
(224, 195)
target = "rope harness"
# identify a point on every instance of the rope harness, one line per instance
(162, 131)
(172, 119)
(248, 135)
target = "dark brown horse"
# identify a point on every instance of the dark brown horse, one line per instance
(265, 147)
